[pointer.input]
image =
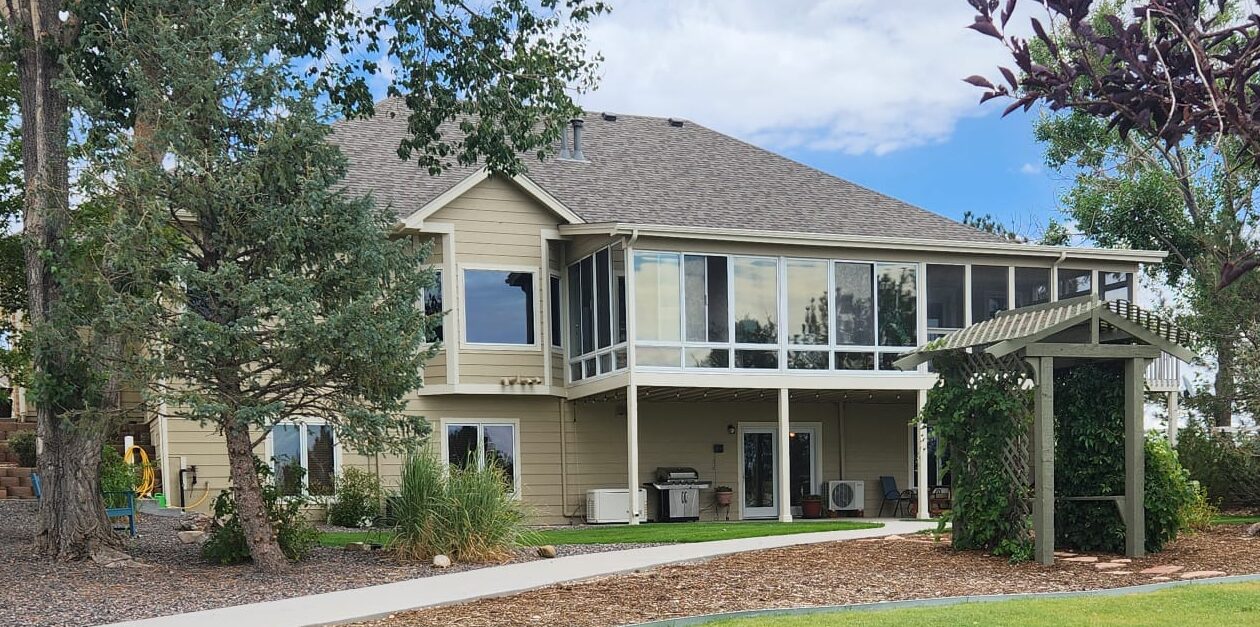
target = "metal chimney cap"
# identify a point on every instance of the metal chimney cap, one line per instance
(675, 122)
(609, 117)
(577, 122)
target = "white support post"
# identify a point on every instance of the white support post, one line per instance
(1134, 458)
(632, 451)
(1174, 417)
(921, 441)
(783, 460)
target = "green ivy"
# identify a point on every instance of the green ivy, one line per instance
(977, 417)
(1089, 461)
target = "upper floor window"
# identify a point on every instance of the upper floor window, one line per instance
(1116, 285)
(433, 306)
(946, 300)
(597, 321)
(303, 458)
(1073, 283)
(989, 291)
(499, 307)
(553, 295)
(1032, 286)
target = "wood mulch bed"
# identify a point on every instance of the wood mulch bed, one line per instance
(858, 571)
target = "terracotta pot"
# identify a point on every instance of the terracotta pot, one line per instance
(811, 507)
(723, 498)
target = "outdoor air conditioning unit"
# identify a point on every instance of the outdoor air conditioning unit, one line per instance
(610, 505)
(846, 495)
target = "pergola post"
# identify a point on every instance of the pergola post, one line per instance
(632, 450)
(1174, 417)
(921, 443)
(1134, 458)
(1043, 460)
(783, 459)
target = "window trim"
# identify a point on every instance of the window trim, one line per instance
(480, 423)
(461, 269)
(269, 449)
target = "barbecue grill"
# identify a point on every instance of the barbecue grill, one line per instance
(678, 490)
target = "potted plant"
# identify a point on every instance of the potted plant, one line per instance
(811, 506)
(723, 494)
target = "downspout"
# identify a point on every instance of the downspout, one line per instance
(1054, 276)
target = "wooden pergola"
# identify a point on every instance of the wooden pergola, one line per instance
(1060, 335)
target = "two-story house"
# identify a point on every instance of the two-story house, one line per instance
(663, 295)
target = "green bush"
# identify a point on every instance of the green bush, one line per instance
(22, 443)
(1089, 461)
(117, 476)
(296, 535)
(466, 514)
(1226, 465)
(357, 499)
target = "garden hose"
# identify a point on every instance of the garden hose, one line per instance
(199, 501)
(148, 479)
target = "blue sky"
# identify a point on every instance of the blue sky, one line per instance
(868, 90)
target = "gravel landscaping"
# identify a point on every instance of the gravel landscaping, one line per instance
(38, 593)
(857, 571)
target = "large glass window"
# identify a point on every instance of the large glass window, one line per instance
(1073, 283)
(1116, 285)
(303, 459)
(484, 444)
(855, 304)
(898, 304)
(603, 297)
(946, 307)
(597, 304)
(656, 294)
(705, 292)
(989, 286)
(806, 294)
(1032, 286)
(756, 300)
(499, 307)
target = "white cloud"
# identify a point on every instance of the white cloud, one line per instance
(853, 75)
(1029, 169)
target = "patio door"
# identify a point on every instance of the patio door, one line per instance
(759, 478)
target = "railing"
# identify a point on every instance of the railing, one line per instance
(1164, 374)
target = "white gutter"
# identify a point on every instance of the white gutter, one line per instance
(864, 241)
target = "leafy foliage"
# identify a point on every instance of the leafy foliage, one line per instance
(979, 416)
(357, 499)
(117, 477)
(294, 533)
(1226, 465)
(1170, 72)
(1089, 429)
(22, 443)
(465, 513)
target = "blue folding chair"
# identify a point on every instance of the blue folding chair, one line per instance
(127, 511)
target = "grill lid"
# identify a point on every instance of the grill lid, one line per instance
(676, 474)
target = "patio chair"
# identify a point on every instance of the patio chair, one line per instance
(888, 485)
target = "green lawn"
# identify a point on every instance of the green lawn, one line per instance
(645, 533)
(1235, 520)
(1217, 604)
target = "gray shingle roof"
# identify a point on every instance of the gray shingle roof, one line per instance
(643, 170)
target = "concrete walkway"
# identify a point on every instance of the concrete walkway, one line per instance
(375, 601)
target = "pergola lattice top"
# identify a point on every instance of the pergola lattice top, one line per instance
(1012, 330)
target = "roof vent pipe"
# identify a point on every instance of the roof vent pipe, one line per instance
(577, 139)
(564, 143)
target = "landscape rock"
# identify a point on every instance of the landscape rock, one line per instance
(1198, 574)
(358, 546)
(1253, 530)
(546, 551)
(1107, 565)
(441, 561)
(192, 537)
(196, 522)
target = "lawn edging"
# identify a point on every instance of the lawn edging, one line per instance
(703, 619)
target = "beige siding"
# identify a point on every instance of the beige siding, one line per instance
(876, 442)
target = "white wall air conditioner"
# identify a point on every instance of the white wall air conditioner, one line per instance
(611, 505)
(846, 495)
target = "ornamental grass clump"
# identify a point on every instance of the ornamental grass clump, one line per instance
(468, 514)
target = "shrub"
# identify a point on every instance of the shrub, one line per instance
(357, 499)
(296, 535)
(1089, 403)
(22, 443)
(117, 476)
(466, 514)
(1226, 465)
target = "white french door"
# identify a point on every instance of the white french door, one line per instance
(759, 470)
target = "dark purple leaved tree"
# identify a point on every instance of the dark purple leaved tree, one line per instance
(1171, 70)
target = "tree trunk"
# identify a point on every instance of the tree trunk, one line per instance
(1223, 401)
(259, 534)
(71, 523)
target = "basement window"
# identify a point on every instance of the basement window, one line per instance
(304, 458)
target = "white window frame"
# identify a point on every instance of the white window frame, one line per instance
(481, 423)
(270, 451)
(617, 347)
(536, 305)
